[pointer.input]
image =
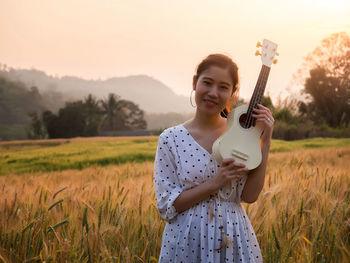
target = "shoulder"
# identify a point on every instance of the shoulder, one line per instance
(171, 133)
(168, 141)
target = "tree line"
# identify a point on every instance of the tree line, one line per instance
(88, 117)
(26, 113)
(325, 109)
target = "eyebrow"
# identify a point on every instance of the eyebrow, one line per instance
(222, 82)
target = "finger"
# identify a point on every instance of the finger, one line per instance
(227, 161)
(257, 110)
(266, 122)
(261, 118)
(263, 107)
(236, 176)
(235, 165)
(230, 166)
(239, 172)
(258, 115)
(264, 117)
(240, 165)
(262, 112)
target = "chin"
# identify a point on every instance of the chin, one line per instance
(207, 111)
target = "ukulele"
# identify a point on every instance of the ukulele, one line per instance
(241, 140)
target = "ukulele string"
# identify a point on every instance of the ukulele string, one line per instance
(251, 104)
(262, 89)
(257, 96)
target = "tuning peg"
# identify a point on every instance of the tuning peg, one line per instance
(275, 61)
(258, 44)
(257, 53)
(274, 50)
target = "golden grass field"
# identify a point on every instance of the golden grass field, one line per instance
(108, 213)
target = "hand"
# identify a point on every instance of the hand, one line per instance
(228, 171)
(264, 116)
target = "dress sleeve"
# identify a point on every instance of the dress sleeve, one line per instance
(165, 179)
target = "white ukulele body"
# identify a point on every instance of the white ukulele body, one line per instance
(239, 143)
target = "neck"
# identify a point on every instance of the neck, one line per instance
(204, 121)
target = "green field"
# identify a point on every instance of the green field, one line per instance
(22, 157)
(286, 146)
(58, 155)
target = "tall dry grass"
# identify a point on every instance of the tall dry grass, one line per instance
(302, 214)
(109, 214)
(94, 215)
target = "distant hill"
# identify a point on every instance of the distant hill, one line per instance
(151, 95)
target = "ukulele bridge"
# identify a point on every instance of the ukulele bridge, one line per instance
(240, 155)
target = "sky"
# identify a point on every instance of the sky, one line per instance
(165, 39)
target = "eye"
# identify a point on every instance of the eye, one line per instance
(206, 82)
(224, 87)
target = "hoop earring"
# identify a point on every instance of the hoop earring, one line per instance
(191, 100)
(223, 113)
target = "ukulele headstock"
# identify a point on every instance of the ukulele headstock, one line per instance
(268, 52)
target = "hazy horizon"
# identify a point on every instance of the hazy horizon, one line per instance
(164, 39)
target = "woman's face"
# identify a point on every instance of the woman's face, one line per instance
(213, 90)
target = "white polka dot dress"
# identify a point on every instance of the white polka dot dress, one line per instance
(195, 235)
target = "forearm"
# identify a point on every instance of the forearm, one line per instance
(256, 178)
(190, 197)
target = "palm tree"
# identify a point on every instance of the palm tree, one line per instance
(93, 115)
(111, 109)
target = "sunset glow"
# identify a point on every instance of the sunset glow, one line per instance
(164, 39)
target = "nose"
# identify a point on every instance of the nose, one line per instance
(213, 91)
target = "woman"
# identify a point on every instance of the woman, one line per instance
(202, 226)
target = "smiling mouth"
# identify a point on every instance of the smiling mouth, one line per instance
(210, 101)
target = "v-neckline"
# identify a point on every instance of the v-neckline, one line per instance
(195, 140)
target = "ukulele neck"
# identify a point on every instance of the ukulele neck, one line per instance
(257, 95)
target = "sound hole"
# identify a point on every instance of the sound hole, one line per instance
(242, 121)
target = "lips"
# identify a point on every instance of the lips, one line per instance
(210, 102)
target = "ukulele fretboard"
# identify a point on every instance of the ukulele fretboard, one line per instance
(257, 95)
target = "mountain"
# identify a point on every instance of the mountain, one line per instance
(151, 95)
